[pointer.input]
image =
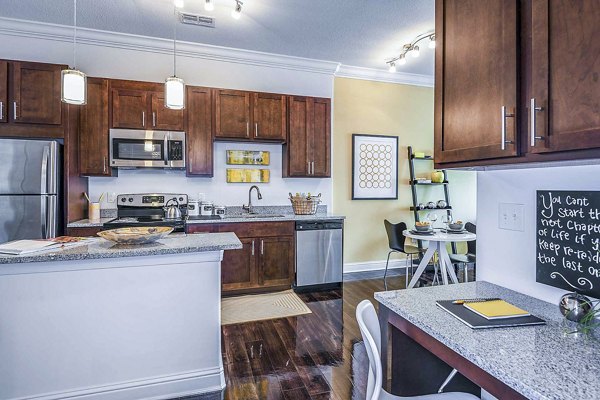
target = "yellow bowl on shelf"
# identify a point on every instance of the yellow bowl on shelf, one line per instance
(139, 235)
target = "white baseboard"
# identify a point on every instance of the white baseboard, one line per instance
(373, 266)
(157, 388)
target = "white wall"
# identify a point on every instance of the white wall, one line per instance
(507, 258)
(122, 56)
(231, 194)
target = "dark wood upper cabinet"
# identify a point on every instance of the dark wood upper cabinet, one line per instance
(35, 93)
(94, 130)
(239, 267)
(198, 120)
(3, 91)
(476, 79)
(565, 76)
(232, 114)
(276, 261)
(270, 116)
(130, 109)
(163, 118)
(308, 148)
(320, 141)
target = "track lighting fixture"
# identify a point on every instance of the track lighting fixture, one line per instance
(411, 48)
(208, 5)
(237, 12)
(73, 82)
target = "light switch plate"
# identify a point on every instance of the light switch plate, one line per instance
(510, 216)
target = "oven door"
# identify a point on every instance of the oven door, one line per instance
(150, 149)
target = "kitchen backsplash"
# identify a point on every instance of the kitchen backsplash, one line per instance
(215, 189)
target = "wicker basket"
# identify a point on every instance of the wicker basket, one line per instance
(305, 205)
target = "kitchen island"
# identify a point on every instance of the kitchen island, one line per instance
(107, 321)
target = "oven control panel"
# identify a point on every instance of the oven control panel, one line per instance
(150, 199)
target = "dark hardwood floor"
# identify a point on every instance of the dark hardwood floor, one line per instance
(315, 356)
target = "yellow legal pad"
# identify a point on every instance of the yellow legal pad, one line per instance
(495, 309)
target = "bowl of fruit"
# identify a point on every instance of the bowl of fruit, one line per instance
(422, 226)
(456, 226)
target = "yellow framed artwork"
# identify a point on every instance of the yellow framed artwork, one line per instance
(247, 175)
(248, 157)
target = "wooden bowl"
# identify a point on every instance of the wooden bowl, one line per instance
(141, 235)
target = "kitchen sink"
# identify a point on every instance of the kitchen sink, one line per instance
(253, 216)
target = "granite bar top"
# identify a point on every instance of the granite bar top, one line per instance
(267, 218)
(176, 243)
(540, 362)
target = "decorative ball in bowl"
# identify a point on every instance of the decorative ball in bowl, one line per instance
(140, 235)
(456, 226)
(422, 226)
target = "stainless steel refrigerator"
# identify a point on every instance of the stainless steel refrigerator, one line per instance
(29, 189)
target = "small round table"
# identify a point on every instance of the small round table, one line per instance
(437, 242)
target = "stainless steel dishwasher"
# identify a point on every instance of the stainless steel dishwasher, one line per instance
(319, 263)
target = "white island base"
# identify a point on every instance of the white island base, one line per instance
(142, 327)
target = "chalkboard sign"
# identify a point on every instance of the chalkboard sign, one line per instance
(568, 240)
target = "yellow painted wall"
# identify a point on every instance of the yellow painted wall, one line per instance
(386, 109)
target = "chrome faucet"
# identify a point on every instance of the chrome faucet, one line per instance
(249, 206)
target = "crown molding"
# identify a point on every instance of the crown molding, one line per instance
(93, 37)
(378, 75)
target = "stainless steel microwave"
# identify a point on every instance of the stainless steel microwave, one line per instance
(132, 148)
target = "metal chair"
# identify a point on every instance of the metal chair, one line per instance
(371, 334)
(396, 245)
(465, 260)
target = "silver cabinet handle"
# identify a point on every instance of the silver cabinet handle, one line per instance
(104, 165)
(503, 117)
(166, 149)
(533, 109)
(190, 165)
(1, 110)
(153, 118)
(247, 129)
(256, 129)
(262, 247)
(308, 167)
(253, 247)
(15, 110)
(144, 119)
(312, 167)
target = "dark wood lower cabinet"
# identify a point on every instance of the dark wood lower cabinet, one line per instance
(84, 232)
(266, 261)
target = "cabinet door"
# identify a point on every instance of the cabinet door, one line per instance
(3, 91)
(232, 109)
(269, 111)
(93, 133)
(238, 268)
(320, 140)
(276, 261)
(476, 76)
(297, 157)
(199, 132)
(35, 93)
(129, 109)
(565, 75)
(163, 118)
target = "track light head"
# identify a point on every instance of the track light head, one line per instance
(392, 67)
(431, 44)
(209, 5)
(415, 51)
(401, 60)
(237, 12)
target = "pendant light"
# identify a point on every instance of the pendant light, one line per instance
(73, 82)
(174, 86)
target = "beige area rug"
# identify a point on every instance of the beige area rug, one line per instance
(256, 307)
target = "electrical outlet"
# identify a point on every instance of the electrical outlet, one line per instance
(111, 197)
(510, 216)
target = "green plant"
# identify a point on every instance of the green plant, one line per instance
(589, 321)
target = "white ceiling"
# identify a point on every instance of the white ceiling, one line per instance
(361, 33)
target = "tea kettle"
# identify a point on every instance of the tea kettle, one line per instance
(172, 211)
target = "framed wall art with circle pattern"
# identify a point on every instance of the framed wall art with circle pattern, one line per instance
(374, 167)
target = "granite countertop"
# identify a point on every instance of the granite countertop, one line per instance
(540, 362)
(85, 223)
(101, 248)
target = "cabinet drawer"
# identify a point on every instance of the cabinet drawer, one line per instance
(83, 232)
(259, 229)
(201, 228)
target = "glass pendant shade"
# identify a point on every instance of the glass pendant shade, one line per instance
(174, 93)
(73, 86)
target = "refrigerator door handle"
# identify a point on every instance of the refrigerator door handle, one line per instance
(52, 169)
(44, 216)
(51, 215)
(44, 171)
